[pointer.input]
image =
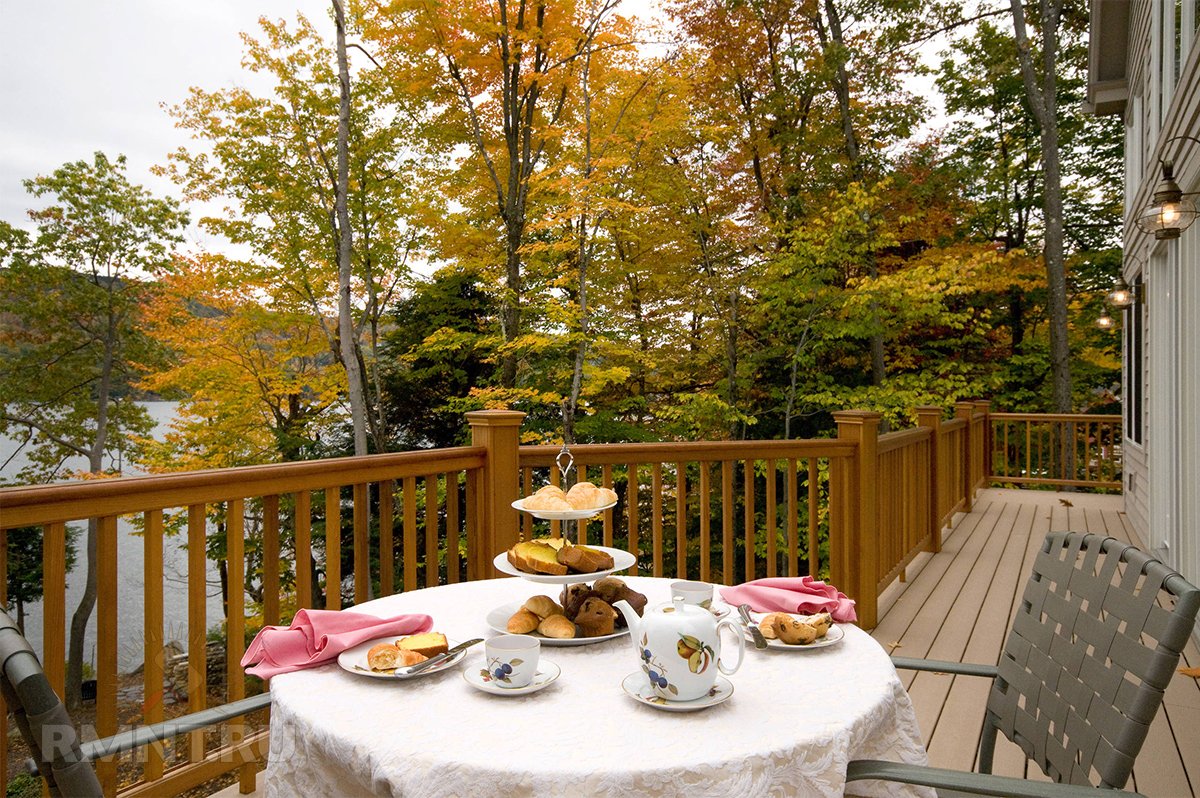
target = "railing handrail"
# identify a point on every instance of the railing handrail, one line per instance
(1054, 416)
(69, 501)
(593, 454)
(892, 441)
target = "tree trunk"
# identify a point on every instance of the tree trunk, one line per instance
(1044, 103)
(346, 332)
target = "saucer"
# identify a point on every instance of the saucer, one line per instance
(637, 687)
(546, 675)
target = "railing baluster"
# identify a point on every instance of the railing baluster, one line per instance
(814, 518)
(54, 603)
(387, 537)
(270, 505)
(656, 526)
(452, 553)
(727, 522)
(333, 548)
(633, 492)
(606, 480)
(106, 645)
(409, 550)
(477, 564)
(197, 624)
(432, 576)
(362, 542)
(705, 521)
(303, 535)
(152, 635)
(235, 625)
(793, 518)
(749, 525)
(526, 518)
(772, 567)
(1028, 464)
(681, 520)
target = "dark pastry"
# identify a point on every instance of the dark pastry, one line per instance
(612, 590)
(595, 618)
(572, 598)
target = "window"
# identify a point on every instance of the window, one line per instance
(1135, 378)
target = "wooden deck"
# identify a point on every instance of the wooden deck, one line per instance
(957, 604)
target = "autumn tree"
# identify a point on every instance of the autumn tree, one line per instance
(75, 290)
(274, 165)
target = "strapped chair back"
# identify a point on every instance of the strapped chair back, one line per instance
(41, 717)
(1095, 641)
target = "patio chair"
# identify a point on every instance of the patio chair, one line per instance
(1095, 641)
(47, 728)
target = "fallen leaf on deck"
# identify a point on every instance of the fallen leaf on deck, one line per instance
(1065, 503)
(893, 647)
(1193, 672)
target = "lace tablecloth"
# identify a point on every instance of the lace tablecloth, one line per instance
(794, 721)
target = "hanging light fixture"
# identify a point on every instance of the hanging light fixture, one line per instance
(1121, 297)
(1105, 322)
(1170, 213)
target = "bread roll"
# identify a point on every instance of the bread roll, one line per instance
(523, 622)
(408, 657)
(543, 607)
(382, 657)
(550, 490)
(557, 626)
(546, 502)
(582, 496)
(429, 644)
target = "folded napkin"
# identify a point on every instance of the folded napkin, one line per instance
(792, 594)
(318, 636)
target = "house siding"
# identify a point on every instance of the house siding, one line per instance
(1162, 478)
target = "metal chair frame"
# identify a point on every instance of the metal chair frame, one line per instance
(1095, 641)
(58, 755)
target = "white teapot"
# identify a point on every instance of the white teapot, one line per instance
(678, 646)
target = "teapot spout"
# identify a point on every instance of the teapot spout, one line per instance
(632, 619)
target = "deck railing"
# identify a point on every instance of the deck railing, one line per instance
(1056, 450)
(858, 508)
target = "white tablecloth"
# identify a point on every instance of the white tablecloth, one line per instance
(794, 721)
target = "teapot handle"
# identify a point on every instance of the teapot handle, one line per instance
(741, 646)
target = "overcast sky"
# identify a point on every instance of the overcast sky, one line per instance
(77, 76)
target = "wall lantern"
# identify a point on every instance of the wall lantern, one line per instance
(1105, 322)
(1170, 212)
(1121, 297)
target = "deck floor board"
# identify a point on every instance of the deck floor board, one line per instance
(957, 605)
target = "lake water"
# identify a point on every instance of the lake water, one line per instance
(130, 651)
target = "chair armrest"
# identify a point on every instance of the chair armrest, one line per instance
(144, 735)
(975, 783)
(943, 666)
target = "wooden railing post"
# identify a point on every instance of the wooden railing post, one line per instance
(497, 528)
(856, 554)
(965, 410)
(983, 409)
(930, 417)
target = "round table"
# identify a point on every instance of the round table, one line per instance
(794, 721)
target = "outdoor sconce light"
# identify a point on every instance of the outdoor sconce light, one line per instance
(1170, 212)
(1105, 322)
(1121, 297)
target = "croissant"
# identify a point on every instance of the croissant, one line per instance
(546, 501)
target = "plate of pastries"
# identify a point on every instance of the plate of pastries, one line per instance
(583, 500)
(388, 657)
(557, 561)
(797, 632)
(583, 614)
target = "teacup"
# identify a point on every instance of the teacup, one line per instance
(697, 593)
(511, 660)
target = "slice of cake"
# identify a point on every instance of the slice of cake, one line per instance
(536, 557)
(429, 644)
(585, 560)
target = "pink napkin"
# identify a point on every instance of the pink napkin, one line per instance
(318, 636)
(792, 594)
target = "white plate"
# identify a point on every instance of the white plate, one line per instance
(832, 637)
(637, 687)
(497, 620)
(563, 515)
(621, 561)
(354, 660)
(546, 675)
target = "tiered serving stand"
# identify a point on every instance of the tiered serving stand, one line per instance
(497, 619)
